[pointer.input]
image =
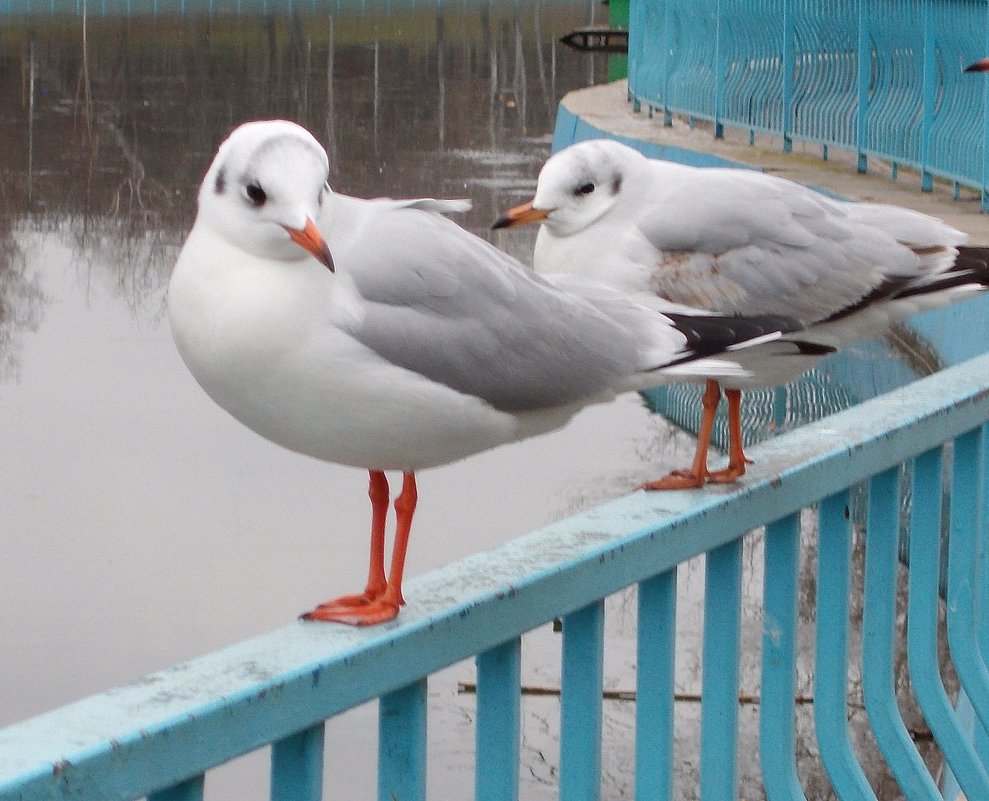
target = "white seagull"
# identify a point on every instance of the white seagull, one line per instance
(381, 335)
(737, 241)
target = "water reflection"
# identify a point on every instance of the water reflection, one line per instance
(111, 121)
(140, 525)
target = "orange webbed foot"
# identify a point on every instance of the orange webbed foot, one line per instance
(364, 609)
(677, 480)
(727, 476)
(369, 613)
(345, 603)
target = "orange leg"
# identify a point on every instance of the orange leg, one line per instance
(378, 493)
(697, 474)
(736, 456)
(384, 606)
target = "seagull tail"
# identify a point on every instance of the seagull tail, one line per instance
(712, 334)
(969, 271)
(711, 339)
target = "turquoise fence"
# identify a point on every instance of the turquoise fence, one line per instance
(879, 77)
(921, 453)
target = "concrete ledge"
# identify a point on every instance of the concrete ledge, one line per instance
(605, 110)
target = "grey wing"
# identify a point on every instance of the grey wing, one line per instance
(742, 242)
(445, 304)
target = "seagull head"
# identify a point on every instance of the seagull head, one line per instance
(576, 187)
(266, 189)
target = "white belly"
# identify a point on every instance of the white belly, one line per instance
(267, 353)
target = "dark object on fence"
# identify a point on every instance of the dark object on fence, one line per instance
(597, 40)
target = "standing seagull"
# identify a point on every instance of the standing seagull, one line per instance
(378, 334)
(742, 242)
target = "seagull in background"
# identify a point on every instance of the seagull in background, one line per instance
(735, 241)
(381, 335)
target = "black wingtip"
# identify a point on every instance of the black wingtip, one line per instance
(709, 334)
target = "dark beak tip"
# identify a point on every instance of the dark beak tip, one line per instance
(501, 222)
(327, 259)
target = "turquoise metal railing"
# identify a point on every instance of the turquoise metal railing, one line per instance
(878, 77)
(159, 736)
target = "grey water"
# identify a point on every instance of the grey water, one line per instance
(141, 526)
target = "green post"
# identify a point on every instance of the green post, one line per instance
(617, 18)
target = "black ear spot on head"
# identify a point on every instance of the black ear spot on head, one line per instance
(616, 185)
(221, 182)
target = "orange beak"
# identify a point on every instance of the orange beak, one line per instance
(982, 65)
(520, 215)
(312, 240)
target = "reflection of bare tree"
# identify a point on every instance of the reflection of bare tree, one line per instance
(21, 299)
(120, 229)
(520, 85)
(541, 61)
(128, 111)
(441, 76)
(329, 116)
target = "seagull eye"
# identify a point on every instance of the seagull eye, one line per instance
(256, 195)
(585, 189)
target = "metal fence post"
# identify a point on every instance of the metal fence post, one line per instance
(667, 114)
(928, 87)
(788, 66)
(864, 74)
(720, 67)
(985, 129)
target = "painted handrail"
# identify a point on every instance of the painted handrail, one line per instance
(159, 736)
(882, 78)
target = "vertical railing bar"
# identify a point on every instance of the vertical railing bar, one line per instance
(498, 726)
(667, 114)
(831, 651)
(922, 621)
(581, 684)
(777, 709)
(864, 74)
(963, 550)
(878, 639)
(981, 739)
(928, 87)
(720, 68)
(655, 685)
(787, 58)
(719, 692)
(402, 743)
(965, 716)
(188, 790)
(297, 766)
(984, 193)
